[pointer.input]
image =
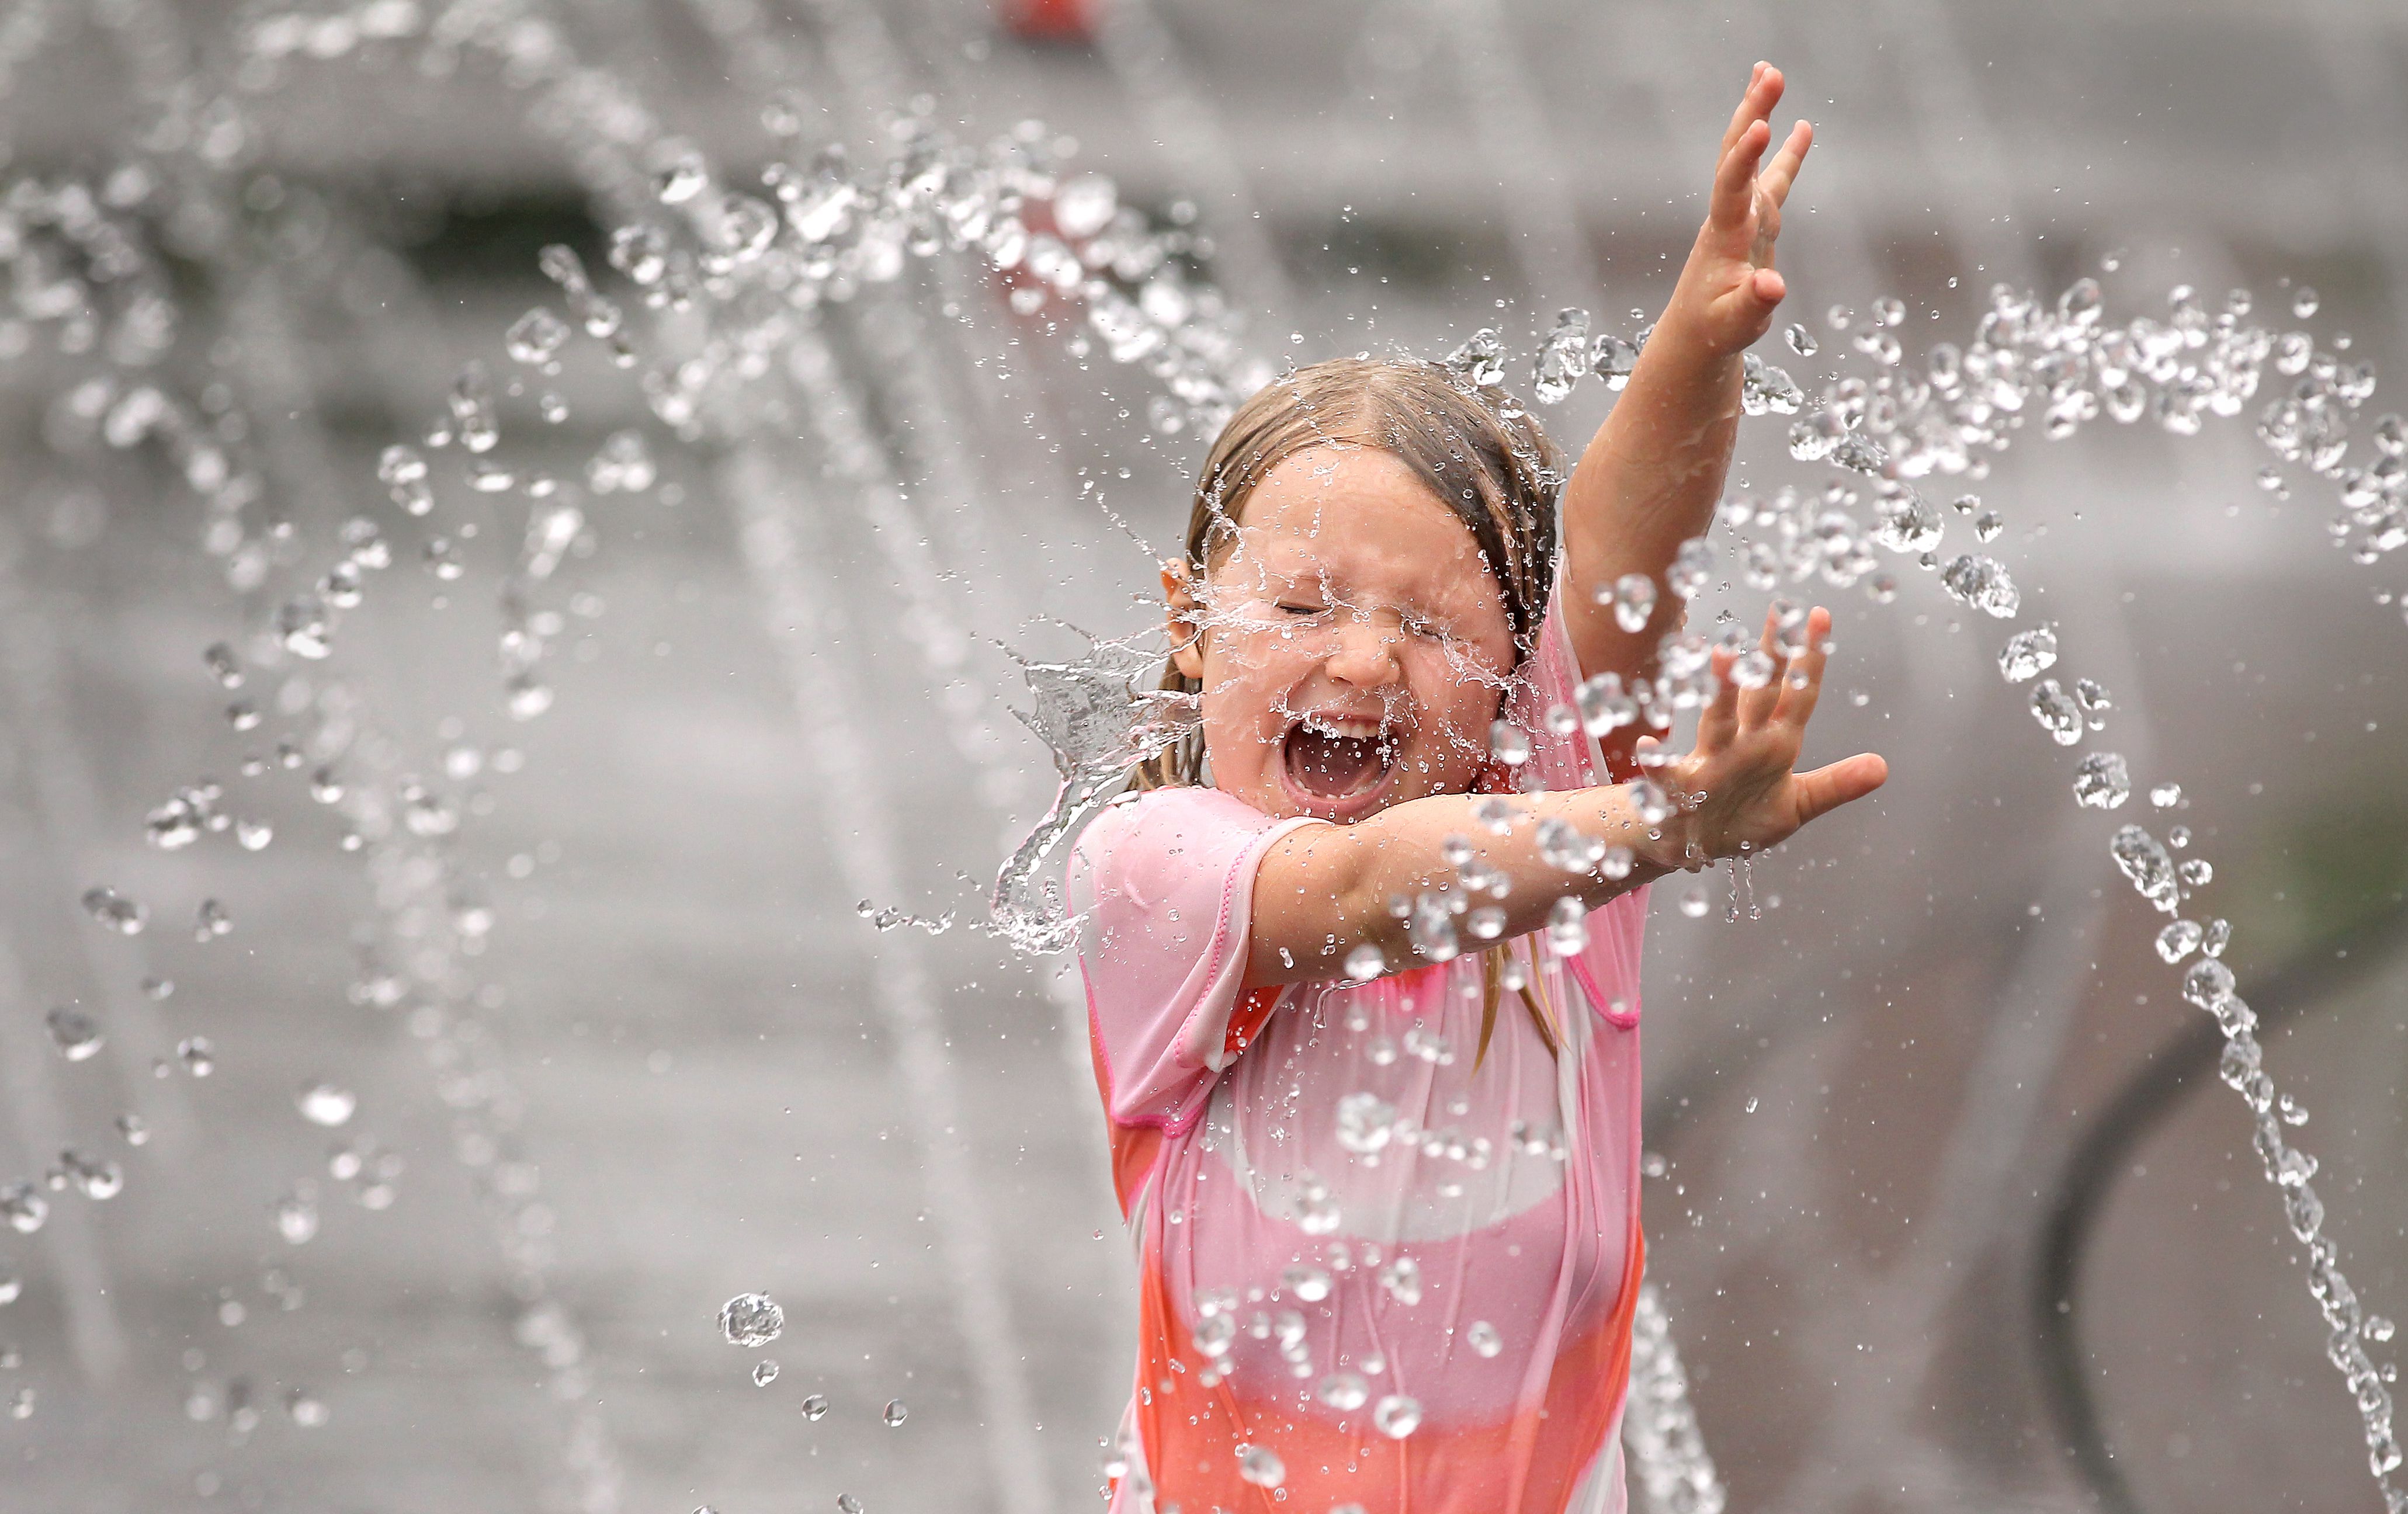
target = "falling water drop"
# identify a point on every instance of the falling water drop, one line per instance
(1260, 1466)
(764, 1372)
(1397, 1416)
(325, 1103)
(2178, 940)
(2027, 654)
(2101, 781)
(114, 910)
(75, 1034)
(751, 1320)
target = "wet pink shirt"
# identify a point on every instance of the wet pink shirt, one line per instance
(1343, 1228)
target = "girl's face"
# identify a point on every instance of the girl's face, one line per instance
(1354, 647)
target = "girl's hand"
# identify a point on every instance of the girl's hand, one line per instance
(1738, 788)
(1729, 288)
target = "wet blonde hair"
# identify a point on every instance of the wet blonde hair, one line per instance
(1483, 458)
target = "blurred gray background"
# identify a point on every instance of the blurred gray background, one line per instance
(1910, 1267)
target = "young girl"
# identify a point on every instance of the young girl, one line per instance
(1373, 1084)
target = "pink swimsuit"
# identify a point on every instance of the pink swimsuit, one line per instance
(1344, 1231)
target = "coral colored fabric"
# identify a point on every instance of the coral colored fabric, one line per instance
(1224, 1112)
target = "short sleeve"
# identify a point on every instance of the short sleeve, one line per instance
(1608, 969)
(1163, 887)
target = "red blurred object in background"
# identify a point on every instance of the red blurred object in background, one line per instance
(1052, 20)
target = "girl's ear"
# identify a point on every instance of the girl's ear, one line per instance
(1186, 617)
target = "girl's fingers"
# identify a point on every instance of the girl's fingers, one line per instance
(1748, 108)
(1781, 171)
(1734, 193)
(1719, 722)
(1796, 702)
(1850, 779)
(1756, 706)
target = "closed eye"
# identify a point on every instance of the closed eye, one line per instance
(1291, 609)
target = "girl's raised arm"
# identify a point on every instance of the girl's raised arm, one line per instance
(1649, 480)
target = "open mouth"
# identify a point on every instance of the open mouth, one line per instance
(1338, 764)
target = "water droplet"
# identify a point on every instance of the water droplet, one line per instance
(2178, 940)
(2303, 304)
(296, 1218)
(114, 910)
(303, 627)
(1563, 359)
(1344, 1392)
(764, 1372)
(1693, 903)
(1397, 1416)
(815, 1407)
(2166, 795)
(24, 1209)
(1801, 341)
(1983, 583)
(197, 1055)
(536, 338)
(2101, 781)
(2056, 712)
(1482, 1336)
(133, 1129)
(847, 1504)
(2028, 653)
(94, 1179)
(1905, 521)
(1258, 1466)
(220, 660)
(11, 1287)
(75, 1034)
(1365, 963)
(1634, 601)
(894, 1413)
(2146, 865)
(306, 1409)
(621, 465)
(751, 1320)
(1480, 362)
(325, 1103)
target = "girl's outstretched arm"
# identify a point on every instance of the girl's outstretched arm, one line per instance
(1323, 890)
(1651, 478)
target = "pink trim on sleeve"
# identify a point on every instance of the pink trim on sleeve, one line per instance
(1163, 887)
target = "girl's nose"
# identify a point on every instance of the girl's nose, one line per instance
(1366, 655)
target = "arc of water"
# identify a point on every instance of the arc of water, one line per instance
(1143, 55)
(70, 806)
(859, 830)
(78, 1269)
(153, 41)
